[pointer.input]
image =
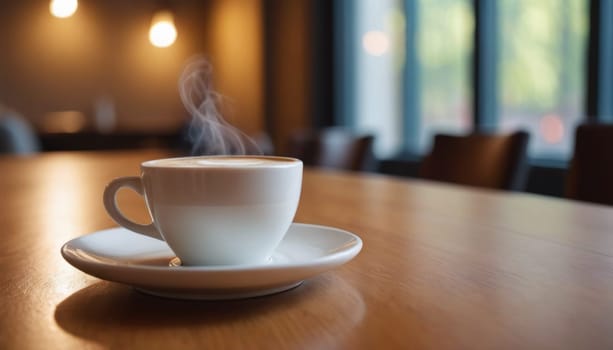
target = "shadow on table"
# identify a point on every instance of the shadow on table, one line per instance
(104, 308)
(115, 315)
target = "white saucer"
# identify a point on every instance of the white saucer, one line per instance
(120, 255)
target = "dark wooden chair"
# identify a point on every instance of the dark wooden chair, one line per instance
(334, 148)
(590, 175)
(494, 161)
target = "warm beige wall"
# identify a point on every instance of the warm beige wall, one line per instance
(290, 81)
(49, 64)
(236, 34)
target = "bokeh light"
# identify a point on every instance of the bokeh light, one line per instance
(552, 128)
(163, 32)
(63, 8)
(376, 43)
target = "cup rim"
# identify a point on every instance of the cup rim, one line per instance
(284, 162)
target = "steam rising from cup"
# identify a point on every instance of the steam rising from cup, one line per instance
(209, 132)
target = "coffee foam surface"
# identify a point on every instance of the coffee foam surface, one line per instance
(217, 162)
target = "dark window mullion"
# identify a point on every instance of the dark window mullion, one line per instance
(410, 82)
(485, 66)
(599, 99)
(344, 63)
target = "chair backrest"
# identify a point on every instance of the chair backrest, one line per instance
(16, 135)
(590, 175)
(484, 160)
(333, 148)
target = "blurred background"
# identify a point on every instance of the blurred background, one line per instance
(94, 75)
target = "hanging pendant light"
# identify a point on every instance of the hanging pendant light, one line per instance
(162, 32)
(63, 8)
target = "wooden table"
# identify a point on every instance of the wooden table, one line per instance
(443, 267)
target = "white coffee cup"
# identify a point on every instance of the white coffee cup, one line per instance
(215, 210)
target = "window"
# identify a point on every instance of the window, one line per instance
(541, 71)
(420, 82)
(442, 49)
(444, 36)
(379, 30)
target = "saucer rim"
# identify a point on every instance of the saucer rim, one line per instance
(341, 256)
(217, 283)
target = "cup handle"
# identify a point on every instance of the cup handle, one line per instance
(110, 204)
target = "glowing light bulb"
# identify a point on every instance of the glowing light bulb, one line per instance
(162, 32)
(63, 8)
(376, 43)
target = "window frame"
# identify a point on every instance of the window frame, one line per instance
(598, 90)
